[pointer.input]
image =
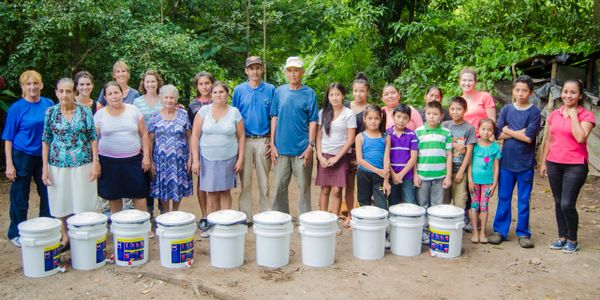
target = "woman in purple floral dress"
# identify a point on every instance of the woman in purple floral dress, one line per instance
(170, 132)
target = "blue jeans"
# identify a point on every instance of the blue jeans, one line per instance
(27, 166)
(402, 193)
(506, 184)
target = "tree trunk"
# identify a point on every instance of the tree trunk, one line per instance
(597, 12)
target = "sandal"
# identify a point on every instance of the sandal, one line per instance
(346, 223)
(483, 239)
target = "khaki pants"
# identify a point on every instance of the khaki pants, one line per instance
(457, 193)
(254, 158)
(286, 167)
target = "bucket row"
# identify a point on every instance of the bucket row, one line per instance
(175, 231)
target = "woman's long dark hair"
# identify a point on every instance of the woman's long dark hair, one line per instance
(327, 114)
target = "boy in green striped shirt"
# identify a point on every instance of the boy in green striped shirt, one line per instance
(434, 165)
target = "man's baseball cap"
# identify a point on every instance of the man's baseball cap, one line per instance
(253, 60)
(294, 61)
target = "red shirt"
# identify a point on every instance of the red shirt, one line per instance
(564, 149)
(477, 109)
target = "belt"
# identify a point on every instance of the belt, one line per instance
(258, 136)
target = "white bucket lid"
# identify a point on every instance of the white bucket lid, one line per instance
(272, 217)
(40, 224)
(175, 218)
(446, 211)
(130, 216)
(227, 217)
(407, 210)
(87, 219)
(317, 217)
(369, 212)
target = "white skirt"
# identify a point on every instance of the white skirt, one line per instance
(72, 191)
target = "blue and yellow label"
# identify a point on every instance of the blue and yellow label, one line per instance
(51, 257)
(439, 240)
(130, 249)
(182, 250)
(101, 250)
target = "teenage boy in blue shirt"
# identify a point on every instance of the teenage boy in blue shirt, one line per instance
(518, 126)
(294, 116)
(253, 99)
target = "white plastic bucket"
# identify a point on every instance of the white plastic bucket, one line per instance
(317, 229)
(406, 222)
(272, 230)
(40, 246)
(446, 224)
(175, 231)
(227, 238)
(87, 235)
(130, 232)
(368, 232)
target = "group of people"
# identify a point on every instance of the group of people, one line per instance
(143, 145)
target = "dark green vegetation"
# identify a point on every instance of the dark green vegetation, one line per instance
(409, 42)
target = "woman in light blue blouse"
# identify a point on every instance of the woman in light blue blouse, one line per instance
(70, 156)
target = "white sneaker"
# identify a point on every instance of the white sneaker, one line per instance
(388, 245)
(16, 241)
(205, 234)
(425, 238)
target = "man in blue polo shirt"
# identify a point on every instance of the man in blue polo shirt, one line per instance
(253, 99)
(294, 116)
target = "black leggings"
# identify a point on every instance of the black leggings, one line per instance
(566, 181)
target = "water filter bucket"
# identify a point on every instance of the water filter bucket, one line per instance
(87, 235)
(368, 232)
(317, 229)
(40, 246)
(130, 232)
(446, 224)
(273, 230)
(406, 222)
(175, 231)
(227, 238)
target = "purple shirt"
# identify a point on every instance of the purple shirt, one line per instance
(400, 149)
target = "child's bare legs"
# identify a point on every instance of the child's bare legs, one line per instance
(175, 205)
(349, 197)
(64, 240)
(336, 204)
(482, 236)
(324, 198)
(474, 216)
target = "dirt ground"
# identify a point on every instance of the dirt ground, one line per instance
(481, 272)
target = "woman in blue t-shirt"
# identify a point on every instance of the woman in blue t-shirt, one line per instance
(23, 148)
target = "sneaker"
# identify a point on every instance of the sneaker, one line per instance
(525, 242)
(495, 239)
(203, 225)
(425, 238)
(558, 244)
(570, 247)
(387, 244)
(16, 241)
(469, 228)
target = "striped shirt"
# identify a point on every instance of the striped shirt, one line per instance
(401, 145)
(434, 144)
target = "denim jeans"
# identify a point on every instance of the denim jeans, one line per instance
(27, 166)
(506, 184)
(403, 192)
(566, 181)
(431, 193)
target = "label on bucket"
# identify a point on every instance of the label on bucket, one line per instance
(130, 249)
(51, 257)
(101, 250)
(439, 240)
(182, 250)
